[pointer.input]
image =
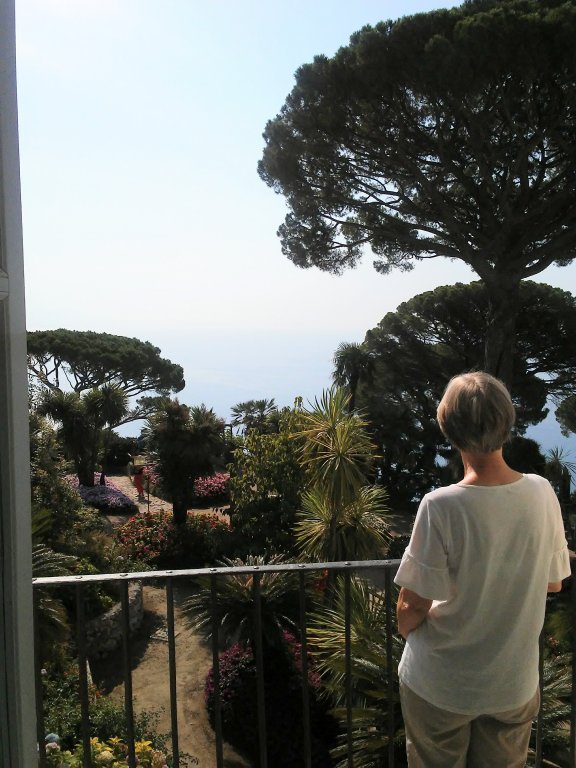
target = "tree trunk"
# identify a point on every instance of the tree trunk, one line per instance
(85, 472)
(500, 342)
(179, 509)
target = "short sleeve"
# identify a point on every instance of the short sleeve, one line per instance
(560, 565)
(424, 566)
(560, 561)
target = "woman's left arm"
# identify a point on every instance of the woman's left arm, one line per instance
(411, 611)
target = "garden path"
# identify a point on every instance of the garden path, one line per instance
(153, 503)
(150, 677)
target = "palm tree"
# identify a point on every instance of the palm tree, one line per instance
(185, 443)
(336, 447)
(112, 406)
(255, 415)
(82, 419)
(560, 470)
(338, 453)
(233, 610)
(353, 363)
(361, 531)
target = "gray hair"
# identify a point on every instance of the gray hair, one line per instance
(476, 413)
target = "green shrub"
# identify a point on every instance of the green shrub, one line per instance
(97, 597)
(62, 714)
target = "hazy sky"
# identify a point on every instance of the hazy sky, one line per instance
(140, 130)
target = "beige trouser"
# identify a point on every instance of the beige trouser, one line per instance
(436, 738)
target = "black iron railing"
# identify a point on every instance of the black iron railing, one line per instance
(380, 572)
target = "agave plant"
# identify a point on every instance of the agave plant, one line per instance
(370, 667)
(233, 610)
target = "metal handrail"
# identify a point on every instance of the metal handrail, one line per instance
(386, 570)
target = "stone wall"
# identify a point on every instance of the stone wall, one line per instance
(104, 633)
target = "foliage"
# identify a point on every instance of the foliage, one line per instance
(335, 447)
(436, 335)
(370, 667)
(212, 489)
(113, 753)
(118, 451)
(83, 418)
(105, 498)
(85, 360)
(50, 616)
(52, 493)
(556, 707)
(283, 704)
(233, 611)
(266, 483)
(184, 444)
(62, 712)
(566, 415)
(258, 415)
(155, 539)
(342, 516)
(352, 363)
(440, 134)
(361, 530)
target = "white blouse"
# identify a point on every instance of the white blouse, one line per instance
(484, 555)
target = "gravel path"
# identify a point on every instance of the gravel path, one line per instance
(150, 672)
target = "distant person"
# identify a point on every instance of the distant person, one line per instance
(139, 480)
(483, 554)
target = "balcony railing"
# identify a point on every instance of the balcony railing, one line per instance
(380, 572)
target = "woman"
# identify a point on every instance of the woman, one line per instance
(482, 556)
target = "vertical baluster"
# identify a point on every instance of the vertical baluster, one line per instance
(539, 721)
(304, 662)
(40, 730)
(260, 688)
(128, 704)
(83, 674)
(172, 670)
(389, 666)
(216, 671)
(348, 667)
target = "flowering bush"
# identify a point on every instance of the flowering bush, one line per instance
(106, 498)
(214, 488)
(153, 538)
(283, 703)
(152, 478)
(112, 753)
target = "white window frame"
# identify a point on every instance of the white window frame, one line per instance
(17, 709)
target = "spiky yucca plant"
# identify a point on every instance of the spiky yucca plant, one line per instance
(357, 531)
(369, 667)
(336, 447)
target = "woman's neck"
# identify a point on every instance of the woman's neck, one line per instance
(487, 469)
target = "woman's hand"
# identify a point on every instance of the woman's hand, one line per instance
(411, 611)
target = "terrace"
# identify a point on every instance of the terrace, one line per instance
(21, 725)
(379, 573)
